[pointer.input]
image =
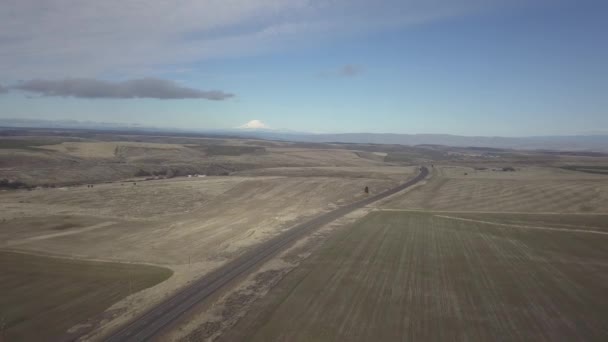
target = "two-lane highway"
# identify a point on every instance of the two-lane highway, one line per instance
(154, 320)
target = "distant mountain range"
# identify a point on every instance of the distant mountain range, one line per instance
(597, 142)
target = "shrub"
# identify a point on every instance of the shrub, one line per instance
(8, 184)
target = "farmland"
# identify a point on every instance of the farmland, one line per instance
(189, 206)
(156, 215)
(597, 169)
(187, 225)
(42, 297)
(424, 276)
(530, 189)
(60, 161)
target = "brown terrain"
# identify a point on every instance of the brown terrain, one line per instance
(129, 219)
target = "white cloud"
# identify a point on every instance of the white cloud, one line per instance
(153, 88)
(254, 124)
(91, 38)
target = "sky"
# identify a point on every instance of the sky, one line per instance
(464, 67)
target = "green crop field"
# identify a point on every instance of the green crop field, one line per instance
(422, 276)
(42, 297)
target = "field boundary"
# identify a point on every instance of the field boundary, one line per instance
(11, 243)
(523, 226)
(491, 212)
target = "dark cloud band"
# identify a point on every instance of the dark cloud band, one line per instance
(138, 88)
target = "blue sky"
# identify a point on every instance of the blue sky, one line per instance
(467, 67)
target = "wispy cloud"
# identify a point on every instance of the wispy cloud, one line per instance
(348, 70)
(138, 88)
(3, 89)
(56, 38)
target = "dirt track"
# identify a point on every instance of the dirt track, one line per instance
(153, 321)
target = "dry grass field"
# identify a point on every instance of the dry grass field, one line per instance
(420, 276)
(374, 172)
(170, 222)
(144, 209)
(43, 297)
(529, 189)
(108, 149)
(57, 161)
(187, 225)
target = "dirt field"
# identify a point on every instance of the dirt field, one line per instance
(49, 161)
(107, 149)
(189, 225)
(529, 189)
(374, 172)
(214, 318)
(172, 221)
(42, 297)
(591, 223)
(254, 190)
(420, 276)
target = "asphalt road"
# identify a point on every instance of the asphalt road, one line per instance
(149, 324)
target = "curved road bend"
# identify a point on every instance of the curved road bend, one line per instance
(146, 326)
